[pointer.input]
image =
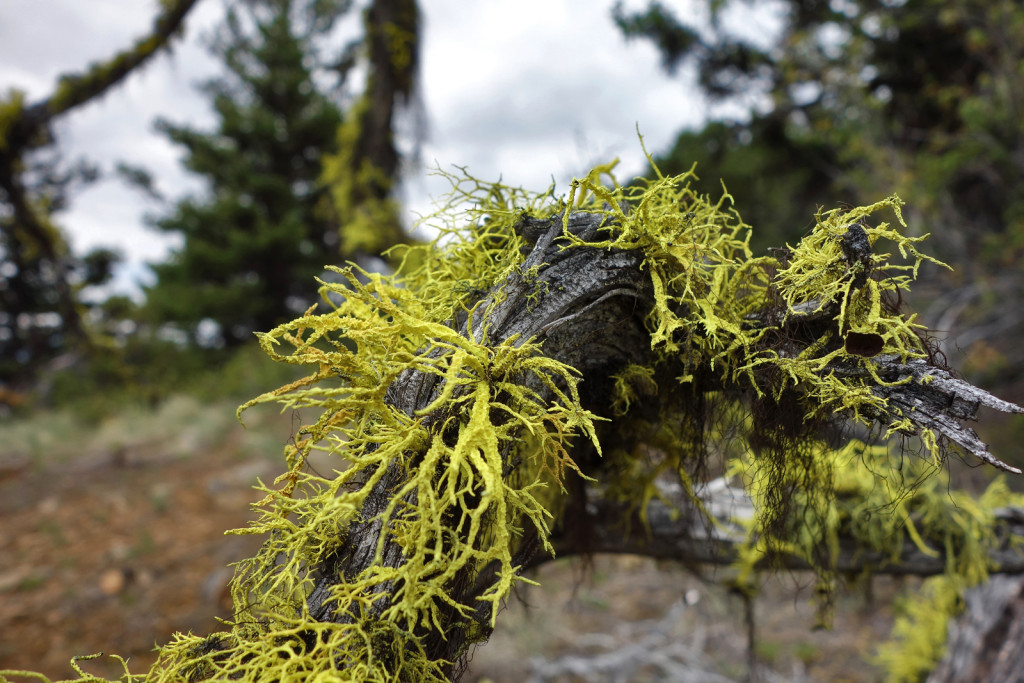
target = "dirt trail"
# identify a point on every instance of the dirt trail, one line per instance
(115, 555)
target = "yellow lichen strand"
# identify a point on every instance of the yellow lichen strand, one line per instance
(696, 252)
(919, 634)
(630, 384)
(360, 192)
(883, 505)
(960, 526)
(357, 351)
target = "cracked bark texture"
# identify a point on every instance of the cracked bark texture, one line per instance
(587, 306)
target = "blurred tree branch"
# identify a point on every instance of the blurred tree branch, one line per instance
(671, 528)
(38, 277)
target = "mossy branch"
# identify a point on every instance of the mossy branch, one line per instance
(74, 90)
(673, 528)
(27, 127)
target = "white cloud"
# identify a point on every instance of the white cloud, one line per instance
(535, 89)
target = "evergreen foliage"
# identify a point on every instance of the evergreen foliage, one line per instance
(40, 279)
(262, 229)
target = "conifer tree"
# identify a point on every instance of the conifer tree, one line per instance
(254, 241)
(855, 99)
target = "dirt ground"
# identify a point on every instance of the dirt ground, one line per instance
(111, 540)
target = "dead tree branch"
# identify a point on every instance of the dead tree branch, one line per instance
(592, 317)
(74, 90)
(29, 128)
(676, 530)
(984, 643)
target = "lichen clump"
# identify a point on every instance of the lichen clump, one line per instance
(476, 476)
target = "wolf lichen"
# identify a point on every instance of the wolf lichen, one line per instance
(456, 512)
(470, 495)
(458, 443)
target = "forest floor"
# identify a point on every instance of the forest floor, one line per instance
(112, 539)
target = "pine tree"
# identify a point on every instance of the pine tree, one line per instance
(253, 243)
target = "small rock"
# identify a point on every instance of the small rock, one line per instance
(145, 578)
(49, 505)
(113, 581)
(10, 580)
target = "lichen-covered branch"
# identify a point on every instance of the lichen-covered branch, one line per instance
(363, 173)
(984, 643)
(31, 242)
(715, 534)
(932, 399)
(74, 90)
(619, 340)
(513, 319)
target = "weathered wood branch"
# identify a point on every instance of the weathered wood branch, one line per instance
(591, 317)
(31, 231)
(933, 399)
(677, 530)
(985, 642)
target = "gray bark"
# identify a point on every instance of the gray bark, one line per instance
(986, 644)
(692, 537)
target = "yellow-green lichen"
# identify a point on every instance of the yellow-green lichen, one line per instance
(919, 634)
(359, 349)
(883, 503)
(361, 204)
(484, 463)
(11, 105)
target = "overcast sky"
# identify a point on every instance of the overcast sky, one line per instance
(524, 89)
